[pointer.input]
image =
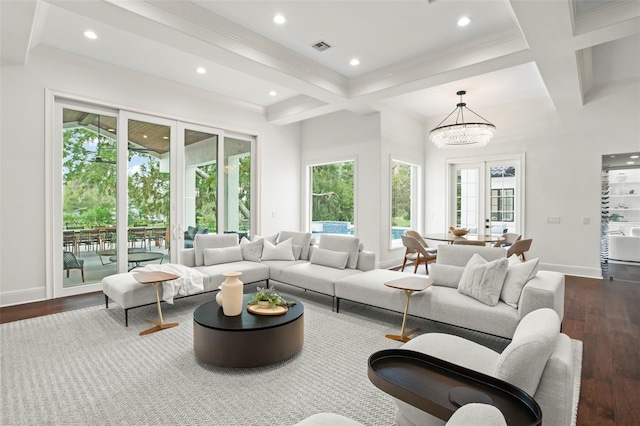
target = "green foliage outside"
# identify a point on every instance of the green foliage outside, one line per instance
(333, 192)
(400, 194)
(90, 186)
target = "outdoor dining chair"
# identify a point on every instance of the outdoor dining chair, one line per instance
(70, 261)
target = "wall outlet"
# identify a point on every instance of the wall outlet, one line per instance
(553, 219)
(586, 220)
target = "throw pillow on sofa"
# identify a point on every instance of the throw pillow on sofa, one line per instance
(483, 280)
(215, 256)
(283, 251)
(251, 251)
(518, 274)
(301, 239)
(333, 259)
(344, 243)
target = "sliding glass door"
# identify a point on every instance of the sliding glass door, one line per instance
(132, 189)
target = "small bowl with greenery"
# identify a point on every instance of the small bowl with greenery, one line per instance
(268, 298)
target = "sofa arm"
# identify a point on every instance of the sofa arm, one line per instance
(188, 257)
(545, 290)
(366, 260)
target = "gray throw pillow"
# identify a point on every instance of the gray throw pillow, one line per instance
(215, 256)
(302, 239)
(343, 243)
(251, 251)
(445, 275)
(518, 274)
(333, 259)
(483, 280)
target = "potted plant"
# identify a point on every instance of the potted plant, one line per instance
(268, 298)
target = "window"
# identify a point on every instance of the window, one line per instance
(502, 205)
(332, 198)
(404, 199)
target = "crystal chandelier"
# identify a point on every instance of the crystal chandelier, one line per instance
(461, 134)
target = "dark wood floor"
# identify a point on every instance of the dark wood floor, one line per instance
(604, 314)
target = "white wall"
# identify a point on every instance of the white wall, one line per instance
(403, 139)
(344, 135)
(22, 171)
(563, 164)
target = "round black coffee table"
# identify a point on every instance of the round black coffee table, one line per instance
(246, 340)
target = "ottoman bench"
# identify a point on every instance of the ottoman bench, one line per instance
(128, 293)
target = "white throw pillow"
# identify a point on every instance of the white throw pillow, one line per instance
(283, 251)
(483, 280)
(215, 256)
(518, 274)
(251, 251)
(333, 259)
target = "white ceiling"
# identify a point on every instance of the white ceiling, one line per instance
(413, 55)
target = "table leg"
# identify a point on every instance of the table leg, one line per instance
(158, 325)
(404, 335)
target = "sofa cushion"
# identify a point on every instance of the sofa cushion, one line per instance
(483, 280)
(205, 241)
(302, 239)
(315, 277)
(460, 254)
(518, 274)
(344, 243)
(282, 251)
(273, 239)
(445, 275)
(333, 259)
(251, 272)
(251, 251)
(368, 288)
(216, 256)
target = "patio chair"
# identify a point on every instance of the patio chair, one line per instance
(70, 261)
(508, 239)
(417, 253)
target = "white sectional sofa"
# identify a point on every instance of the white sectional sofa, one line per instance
(340, 268)
(291, 258)
(443, 302)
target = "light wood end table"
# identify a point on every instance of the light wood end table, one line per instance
(410, 285)
(156, 278)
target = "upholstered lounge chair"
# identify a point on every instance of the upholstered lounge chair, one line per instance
(539, 360)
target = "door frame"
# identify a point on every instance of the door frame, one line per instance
(485, 164)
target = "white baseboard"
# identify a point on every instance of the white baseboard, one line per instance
(578, 271)
(18, 297)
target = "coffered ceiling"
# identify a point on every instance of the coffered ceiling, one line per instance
(413, 56)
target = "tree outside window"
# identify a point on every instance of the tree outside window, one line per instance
(332, 198)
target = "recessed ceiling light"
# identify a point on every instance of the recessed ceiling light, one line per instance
(273, 93)
(464, 21)
(200, 70)
(165, 137)
(635, 156)
(354, 62)
(144, 136)
(631, 162)
(279, 19)
(91, 35)
(111, 130)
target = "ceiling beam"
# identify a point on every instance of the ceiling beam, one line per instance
(19, 23)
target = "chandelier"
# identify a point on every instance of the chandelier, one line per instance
(461, 134)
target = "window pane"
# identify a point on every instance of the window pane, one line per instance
(201, 184)
(404, 181)
(332, 198)
(503, 182)
(237, 185)
(88, 196)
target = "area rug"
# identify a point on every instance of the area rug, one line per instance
(84, 367)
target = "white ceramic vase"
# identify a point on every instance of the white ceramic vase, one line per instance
(231, 294)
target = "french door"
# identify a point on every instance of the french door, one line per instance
(126, 187)
(486, 196)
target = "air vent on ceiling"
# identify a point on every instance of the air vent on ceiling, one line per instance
(321, 46)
